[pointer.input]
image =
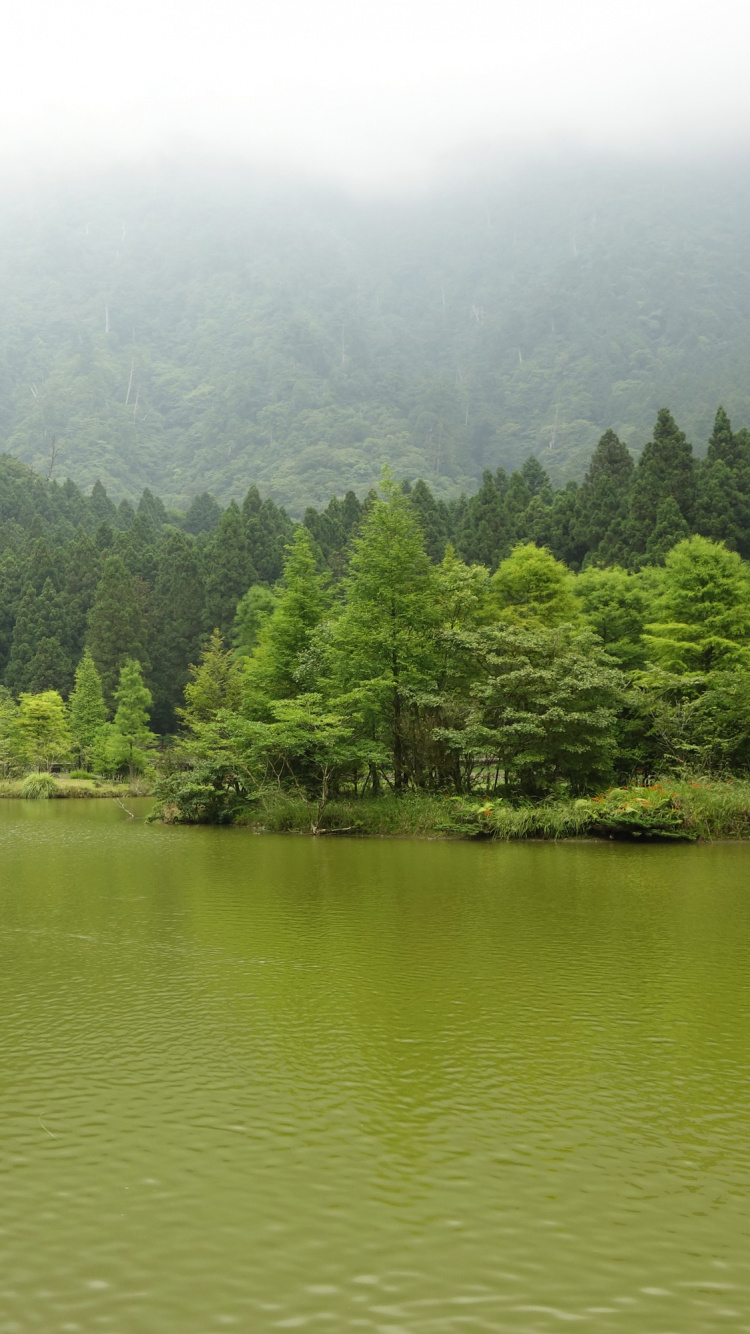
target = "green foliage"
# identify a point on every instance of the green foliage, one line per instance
(702, 619)
(531, 588)
(118, 623)
(88, 712)
(383, 644)
(42, 730)
(544, 708)
(284, 637)
(654, 812)
(214, 684)
(39, 787)
(126, 741)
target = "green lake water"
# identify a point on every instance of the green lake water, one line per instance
(263, 1083)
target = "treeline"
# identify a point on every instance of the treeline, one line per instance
(150, 584)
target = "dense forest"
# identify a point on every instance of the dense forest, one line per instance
(524, 636)
(201, 330)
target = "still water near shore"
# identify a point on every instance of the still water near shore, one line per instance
(279, 1083)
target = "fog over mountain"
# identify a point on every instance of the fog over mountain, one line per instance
(289, 246)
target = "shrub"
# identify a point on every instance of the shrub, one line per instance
(39, 787)
(82, 773)
(642, 812)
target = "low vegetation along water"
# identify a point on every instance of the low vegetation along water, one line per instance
(277, 1083)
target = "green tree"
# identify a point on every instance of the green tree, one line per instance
(178, 623)
(129, 737)
(605, 494)
(253, 610)
(616, 606)
(229, 570)
(702, 619)
(214, 684)
(119, 623)
(9, 757)
(543, 710)
(383, 643)
(88, 712)
(669, 529)
(666, 469)
(285, 636)
(43, 731)
(531, 588)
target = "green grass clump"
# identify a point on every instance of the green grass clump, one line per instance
(38, 787)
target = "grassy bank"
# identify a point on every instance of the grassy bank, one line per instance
(54, 786)
(672, 810)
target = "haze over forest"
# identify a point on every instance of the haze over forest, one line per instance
(196, 327)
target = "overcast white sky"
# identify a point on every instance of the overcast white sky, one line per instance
(371, 93)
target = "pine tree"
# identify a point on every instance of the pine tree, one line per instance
(272, 671)
(214, 684)
(130, 737)
(604, 497)
(669, 529)
(483, 536)
(433, 516)
(383, 643)
(39, 658)
(118, 626)
(229, 570)
(178, 623)
(83, 573)
(666, 470)
(88, 712)
(204, 514)
(101, 508)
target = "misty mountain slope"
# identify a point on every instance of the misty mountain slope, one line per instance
(207, 332)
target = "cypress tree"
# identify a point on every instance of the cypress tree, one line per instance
(285, 636)
(229, 570)
(604, 497)
(118, 623)
(204, 514)
(178, 623)
(666, 469)
(88, 712)
(130, 737)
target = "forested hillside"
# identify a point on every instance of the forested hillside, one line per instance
(204, 331)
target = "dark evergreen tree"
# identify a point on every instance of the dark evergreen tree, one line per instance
(204, 514)
(229, 570)
(484, 535)
(669, 529)
(101, 508)
(666, 469)
(604, 497)
(178, 623)
(119, 623)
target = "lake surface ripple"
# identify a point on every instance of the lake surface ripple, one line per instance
(274, 1083)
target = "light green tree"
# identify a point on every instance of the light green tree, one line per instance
(43, 730)
(533, 589)
(214, 684)
(88, 712)
(383, 645)
(701, 620)
(129, 738)
(285, 635)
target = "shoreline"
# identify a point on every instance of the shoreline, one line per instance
(705, 811)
